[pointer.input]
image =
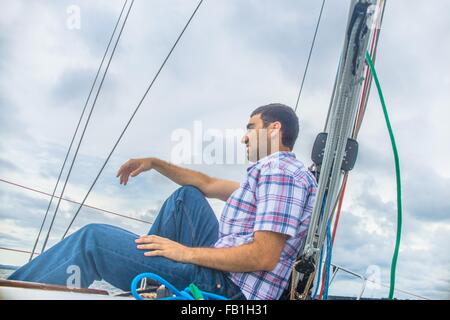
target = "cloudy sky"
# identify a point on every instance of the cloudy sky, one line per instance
(236, 56)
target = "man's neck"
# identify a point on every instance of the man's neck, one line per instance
(280, 149)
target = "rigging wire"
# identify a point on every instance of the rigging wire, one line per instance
(310, 55)
(87, 121)
(74, 202)
(339, 209)
(301, 90)
(75, 133)
(132, 116)
(18, 250)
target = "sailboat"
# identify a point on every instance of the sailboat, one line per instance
(334, 155)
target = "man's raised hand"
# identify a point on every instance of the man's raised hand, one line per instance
(133, 167)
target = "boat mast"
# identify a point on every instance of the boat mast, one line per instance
(334, 153)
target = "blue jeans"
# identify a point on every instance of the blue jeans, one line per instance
(109, 253)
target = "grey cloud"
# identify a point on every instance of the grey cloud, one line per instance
(289, 41)
(355, 249)
(73, 87)
(372, 159)
(7, 166)
(428, 196)
(8, 117)
(21, 206)
(229, 62)
(425, 193)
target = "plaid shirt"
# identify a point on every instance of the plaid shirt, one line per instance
(278, 195)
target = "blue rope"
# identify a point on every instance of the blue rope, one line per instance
(328, 261)
(186, 294)
(327, 265)
(319, 274)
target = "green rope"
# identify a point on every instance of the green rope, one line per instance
(397, 172)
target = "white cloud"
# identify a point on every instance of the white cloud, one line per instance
(235, 56)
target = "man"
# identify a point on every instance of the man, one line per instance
(248, 255)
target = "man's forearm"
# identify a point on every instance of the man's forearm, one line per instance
(243, 258)
(179, 175)
(262, 254)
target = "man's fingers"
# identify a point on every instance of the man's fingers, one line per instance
(119, 171)
(123, 175)
(144, 239)
(141, 240)
(149, 239)
(131, 167)
(151, 246)
(137, 171)
(123, 178)
(153, 253)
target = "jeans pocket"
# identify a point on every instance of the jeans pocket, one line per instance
(220, 285)
(230, 289)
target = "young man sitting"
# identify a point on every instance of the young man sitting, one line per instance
(249, 254)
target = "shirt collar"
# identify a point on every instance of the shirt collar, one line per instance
(276, 155)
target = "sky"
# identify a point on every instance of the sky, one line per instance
(235, 56)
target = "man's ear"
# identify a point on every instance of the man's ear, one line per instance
(276, 128)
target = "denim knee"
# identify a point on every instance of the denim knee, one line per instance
(93, 227)
(92, 232)
(189, 199)
(189, 192)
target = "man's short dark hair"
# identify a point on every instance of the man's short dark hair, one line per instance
(286, 116)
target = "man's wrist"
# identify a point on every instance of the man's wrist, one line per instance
(190, 254)
(152, 162)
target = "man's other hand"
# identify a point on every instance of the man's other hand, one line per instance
(133, 167)
(159, 246)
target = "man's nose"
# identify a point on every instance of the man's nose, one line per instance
(244, 139)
